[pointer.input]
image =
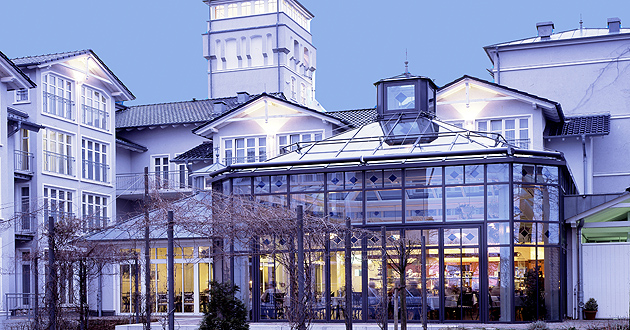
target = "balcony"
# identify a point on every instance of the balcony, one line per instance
(95, 117)
(244, 159)
(131, 185)
(22, 305)
(94, 222)
(58, 106)
(58, 163)
(25, 225)
(23, 164)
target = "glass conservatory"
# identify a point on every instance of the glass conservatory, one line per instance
(490, 214)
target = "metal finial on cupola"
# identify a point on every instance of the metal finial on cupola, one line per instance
(406, 65)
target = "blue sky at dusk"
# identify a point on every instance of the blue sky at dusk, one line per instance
(155, 47)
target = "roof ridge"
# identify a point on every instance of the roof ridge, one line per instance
(348, 110)
(82, 51)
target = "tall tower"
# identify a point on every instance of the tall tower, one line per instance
(260, 46)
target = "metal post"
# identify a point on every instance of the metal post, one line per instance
(348, 274)
(147, 250)
(300, 268)
(424, 283)
(35, 275)
(384, 271)
(171, 273)
(51, 291)
(136, 279)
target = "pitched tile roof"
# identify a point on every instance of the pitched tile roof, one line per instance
(47, 58)
(357, 117)
(582, 125)
(14, 66)
(186, 112)
(201, 152)
(41, 59)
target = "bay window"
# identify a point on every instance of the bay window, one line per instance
(515, 130)
(245, 150)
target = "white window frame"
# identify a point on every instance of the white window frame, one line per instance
(522, 130)
(58, 96)
(161, 172)
(94, 211)
(58, 155)
(253, 149)
(22, 95)
(62, 206)
(94, 108)
(293, 139)
(94, 165)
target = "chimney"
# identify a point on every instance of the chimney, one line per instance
(242, 97)
(545, 29)
(614, 25)
(218, 107)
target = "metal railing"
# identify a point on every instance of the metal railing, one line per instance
(95, 171)
(244, 159)
(25, 223)
(58, 106)
(519, 143)
(167, 180)
(23, 161)
(95, 117)
(94, 222)
(22, 304)
(58, 163)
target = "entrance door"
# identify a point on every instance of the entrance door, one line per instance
(462, 285)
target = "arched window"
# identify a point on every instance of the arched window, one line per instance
(307, 60)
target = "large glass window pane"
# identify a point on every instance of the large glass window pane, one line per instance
(547, 174)
(262, 185)
(335, 180)
(353, 180)
(536, 283)
(430, 176)
(204, 285)
(499, 280)
(375, 306)
(423, 204)
(242, 185)
(498, 172)
(498, 202)
(313, 203)
(392, 178)
(465, 203)
(274, 287)
(346, 204)
(523, 173)
(454, 174)
(474, 173)
(498, 233)
(338, 284)
(272, 200)
(538, 203)
(189, 288)
(278, 183)
(383, 206)
(307, 182)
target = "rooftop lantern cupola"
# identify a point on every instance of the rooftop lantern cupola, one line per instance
(406, 107)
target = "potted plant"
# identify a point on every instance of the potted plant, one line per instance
(590, 309)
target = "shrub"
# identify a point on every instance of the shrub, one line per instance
(224, 310)
(538, 325)
(591, 305)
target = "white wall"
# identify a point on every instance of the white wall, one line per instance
(607, 277)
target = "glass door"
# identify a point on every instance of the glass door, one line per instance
(461, 273)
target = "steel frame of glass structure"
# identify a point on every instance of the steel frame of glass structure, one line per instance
(492, 223)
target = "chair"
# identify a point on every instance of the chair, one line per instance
(189, 301)
(162, 302)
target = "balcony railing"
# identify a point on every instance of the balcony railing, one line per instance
(519, 143)
(25, 223)
(58, 163)
(95, 171)
(58, 106)
(22, 304)
(23, 161)
(94, 222)
(244, 159)
(95, 117)
(168, 180)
